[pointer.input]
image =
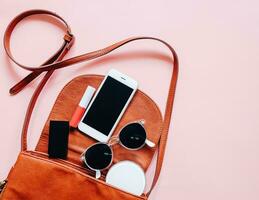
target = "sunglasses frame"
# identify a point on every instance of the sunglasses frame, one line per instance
(114, 140)
(140, 122)
(84, 160)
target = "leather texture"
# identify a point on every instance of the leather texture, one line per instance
(140, 107)
(35, 177)
(17, 175)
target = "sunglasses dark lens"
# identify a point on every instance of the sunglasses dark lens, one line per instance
(98, 156)
(133, 136)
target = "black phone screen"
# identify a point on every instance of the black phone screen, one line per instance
(107, 105)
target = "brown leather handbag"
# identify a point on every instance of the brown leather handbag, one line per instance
(35, 175)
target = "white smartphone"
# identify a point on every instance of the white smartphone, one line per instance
(108, 105)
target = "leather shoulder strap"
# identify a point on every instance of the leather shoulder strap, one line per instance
(56, 62)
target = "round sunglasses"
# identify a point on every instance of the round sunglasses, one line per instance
(99, 156)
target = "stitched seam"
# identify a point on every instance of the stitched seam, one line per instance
(93, 180)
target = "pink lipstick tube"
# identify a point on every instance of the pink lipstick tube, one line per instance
(80, 110)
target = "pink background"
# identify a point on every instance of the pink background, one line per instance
(213, 146)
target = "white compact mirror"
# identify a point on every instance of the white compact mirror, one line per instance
(127, 176)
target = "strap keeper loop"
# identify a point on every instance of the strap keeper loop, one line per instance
(69, 38)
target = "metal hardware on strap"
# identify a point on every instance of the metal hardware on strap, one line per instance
(2, 185)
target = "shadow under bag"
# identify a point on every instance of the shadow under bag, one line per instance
(35, 176)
